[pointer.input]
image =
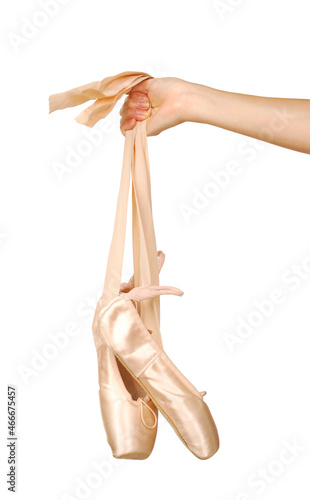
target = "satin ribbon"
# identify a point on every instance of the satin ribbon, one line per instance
(106, 93)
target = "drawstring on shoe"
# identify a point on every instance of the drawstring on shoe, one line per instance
(142, 417)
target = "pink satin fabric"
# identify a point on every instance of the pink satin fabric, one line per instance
(179, 401)
(135, 375)
(128, 414)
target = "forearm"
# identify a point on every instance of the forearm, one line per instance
(284, 122)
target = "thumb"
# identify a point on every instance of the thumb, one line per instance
(142, 86)
(157, 122)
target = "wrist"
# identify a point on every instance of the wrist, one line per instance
(179, 110)
(199, 103)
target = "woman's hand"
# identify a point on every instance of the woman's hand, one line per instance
(171, 101)
(160, 99)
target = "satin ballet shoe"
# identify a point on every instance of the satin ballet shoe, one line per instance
(122, 330)
(129, 416)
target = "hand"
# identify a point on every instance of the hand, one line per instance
(170, 101)
(161, 100)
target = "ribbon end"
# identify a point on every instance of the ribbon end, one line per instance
(52, 103)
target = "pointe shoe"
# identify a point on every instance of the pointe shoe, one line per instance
(129, 417)
(128, 414)
(123, 331)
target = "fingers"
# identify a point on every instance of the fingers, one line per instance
(135, 108)
(133, 100)
(128, 125)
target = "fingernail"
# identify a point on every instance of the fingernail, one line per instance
(142, 113)
(143, 98)
(143, 104)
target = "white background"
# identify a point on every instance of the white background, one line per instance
(238, 248)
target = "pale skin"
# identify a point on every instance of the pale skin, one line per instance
(168, 102)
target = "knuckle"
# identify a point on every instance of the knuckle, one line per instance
(135, 97)
(129, 114)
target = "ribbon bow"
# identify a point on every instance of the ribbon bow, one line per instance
(106, 94)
